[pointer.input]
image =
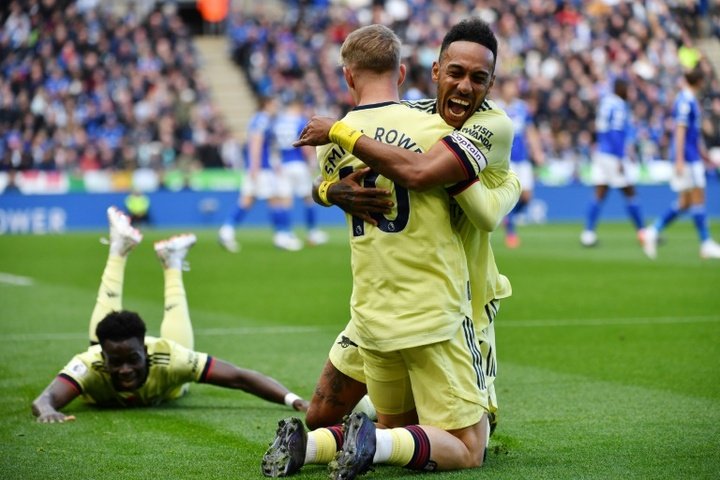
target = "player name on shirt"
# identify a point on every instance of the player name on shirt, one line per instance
(391, 136)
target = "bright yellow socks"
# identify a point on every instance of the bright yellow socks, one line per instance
(109, 297)
(176, 324)
(322, 445)
(407, 447)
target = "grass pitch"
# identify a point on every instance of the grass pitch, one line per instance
(608, 362)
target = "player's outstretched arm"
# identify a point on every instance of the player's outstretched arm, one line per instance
(486, 207)
(55, 396)
(415, 171)
(227, 375)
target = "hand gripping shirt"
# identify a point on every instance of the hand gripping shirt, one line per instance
(171, 366)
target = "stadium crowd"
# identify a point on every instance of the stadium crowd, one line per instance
(566, 54)
(85, 88)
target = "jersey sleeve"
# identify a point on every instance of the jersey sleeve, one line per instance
(188, 365)
(486, 207)
(683, 108)
(81, 370)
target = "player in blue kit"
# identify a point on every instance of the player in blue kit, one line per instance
(261, 183)
(610, 165)
(298, 165)
(526, 151)
(689, 174)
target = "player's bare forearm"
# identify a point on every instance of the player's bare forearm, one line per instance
(227, 375)
(410, 169)
(46, 406)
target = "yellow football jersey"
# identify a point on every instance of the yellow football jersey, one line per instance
(410, 279)
(491, 130)
(171, 366)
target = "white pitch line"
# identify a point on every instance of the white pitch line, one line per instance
(17, 280)
(206, 332)
(604, 322)
(217, 332)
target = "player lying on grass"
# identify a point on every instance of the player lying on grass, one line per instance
(123, 366)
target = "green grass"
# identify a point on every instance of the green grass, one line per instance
(609, 363)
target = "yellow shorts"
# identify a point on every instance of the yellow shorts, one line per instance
(344, 354)
(445, 379)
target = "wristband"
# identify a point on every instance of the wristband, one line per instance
(290, 399)
(344, 135)
(323, 191)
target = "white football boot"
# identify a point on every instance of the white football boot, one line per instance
(172, 251)
(649, 242)
(287, 241)
(317, 237)
(226, 239)
(123, 236)
(588, 238)
(710, 249)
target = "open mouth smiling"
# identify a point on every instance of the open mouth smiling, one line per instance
(457, 106)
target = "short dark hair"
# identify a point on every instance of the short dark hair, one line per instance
(120, 325)
(621, 87)
(695, 76)
(473, 30)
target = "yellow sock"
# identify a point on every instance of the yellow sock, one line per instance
(321, 446)
(176, 324)
(109, 296)
(403, 447)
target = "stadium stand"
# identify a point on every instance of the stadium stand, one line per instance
(85, 89)
(90, 86)
(567, 53)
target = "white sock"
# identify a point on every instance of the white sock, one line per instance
(383, 445)
(310, 450)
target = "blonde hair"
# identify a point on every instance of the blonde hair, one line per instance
(374, 47)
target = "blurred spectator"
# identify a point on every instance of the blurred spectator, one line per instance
(137, 205)
(565, 53)
(83, 89)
